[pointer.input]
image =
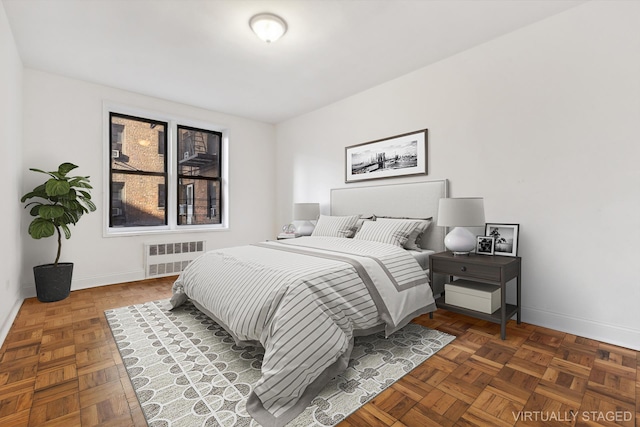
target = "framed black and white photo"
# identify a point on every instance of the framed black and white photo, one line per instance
(505, 236)
(399, 155)
(485, 245)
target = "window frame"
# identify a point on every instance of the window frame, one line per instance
(217, 179)
(136, 172)
(171, 162)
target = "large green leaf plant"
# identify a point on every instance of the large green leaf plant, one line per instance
(61, 201)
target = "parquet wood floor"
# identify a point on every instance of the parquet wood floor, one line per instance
(59, 366)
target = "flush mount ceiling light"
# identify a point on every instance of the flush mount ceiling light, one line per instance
(268, 27)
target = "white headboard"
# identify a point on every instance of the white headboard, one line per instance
(412, 200)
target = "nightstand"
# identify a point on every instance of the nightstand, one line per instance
(496, 270)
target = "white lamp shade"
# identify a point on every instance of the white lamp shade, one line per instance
(268, 27)
(306, 211)
(461, 212)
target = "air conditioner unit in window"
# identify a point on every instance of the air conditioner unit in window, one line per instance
(116, 211)
(115, 154)
(186, 154)
(182, 209)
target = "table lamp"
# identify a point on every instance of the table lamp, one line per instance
(303, 214)
(460, 213)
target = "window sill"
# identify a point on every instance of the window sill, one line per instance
(117, 232)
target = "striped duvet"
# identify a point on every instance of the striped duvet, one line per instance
(303, 300)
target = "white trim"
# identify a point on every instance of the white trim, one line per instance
(8, 321)
(612, 334)
(172, 122)
(29, 289)
(139, 231)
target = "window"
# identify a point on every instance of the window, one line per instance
(162, 196)
(198, 176)
(161, 146)
(136, 171)
(163, 174)
(117, 135)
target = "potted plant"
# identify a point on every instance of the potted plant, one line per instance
(60, 201)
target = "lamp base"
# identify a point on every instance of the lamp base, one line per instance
(304, 228)
(460, 241)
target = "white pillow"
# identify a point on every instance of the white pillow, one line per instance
(335, 226)
(416, 234)
(392, 232)
(362, 220)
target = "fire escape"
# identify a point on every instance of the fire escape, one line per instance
(195, 153)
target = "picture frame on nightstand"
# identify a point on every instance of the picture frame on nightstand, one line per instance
(485, 245)
(506, 238)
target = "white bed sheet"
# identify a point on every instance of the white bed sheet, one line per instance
(422, 257)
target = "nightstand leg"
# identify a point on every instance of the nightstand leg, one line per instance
(503, 310)
(518, 286)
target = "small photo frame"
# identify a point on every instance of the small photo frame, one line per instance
(485, 245)
(505, 236)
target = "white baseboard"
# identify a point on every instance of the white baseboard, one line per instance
(8, 321)
(612, 334)
(111, 279)
(29, 290)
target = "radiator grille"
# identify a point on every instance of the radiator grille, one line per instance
(167, 259)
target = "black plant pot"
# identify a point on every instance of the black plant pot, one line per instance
(53, 283)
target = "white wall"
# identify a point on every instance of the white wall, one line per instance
(542, 123)
(10, 165)
(63, 121)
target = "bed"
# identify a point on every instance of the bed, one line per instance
(305, 299)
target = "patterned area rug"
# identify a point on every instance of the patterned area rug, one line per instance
(187, 371)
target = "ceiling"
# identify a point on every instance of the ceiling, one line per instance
(203, 53)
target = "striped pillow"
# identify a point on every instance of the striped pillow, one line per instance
(413, 242)
(335, 226)
(392, 232)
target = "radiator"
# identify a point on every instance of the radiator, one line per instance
(168, 259)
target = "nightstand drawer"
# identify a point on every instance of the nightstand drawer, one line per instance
(463, 269)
